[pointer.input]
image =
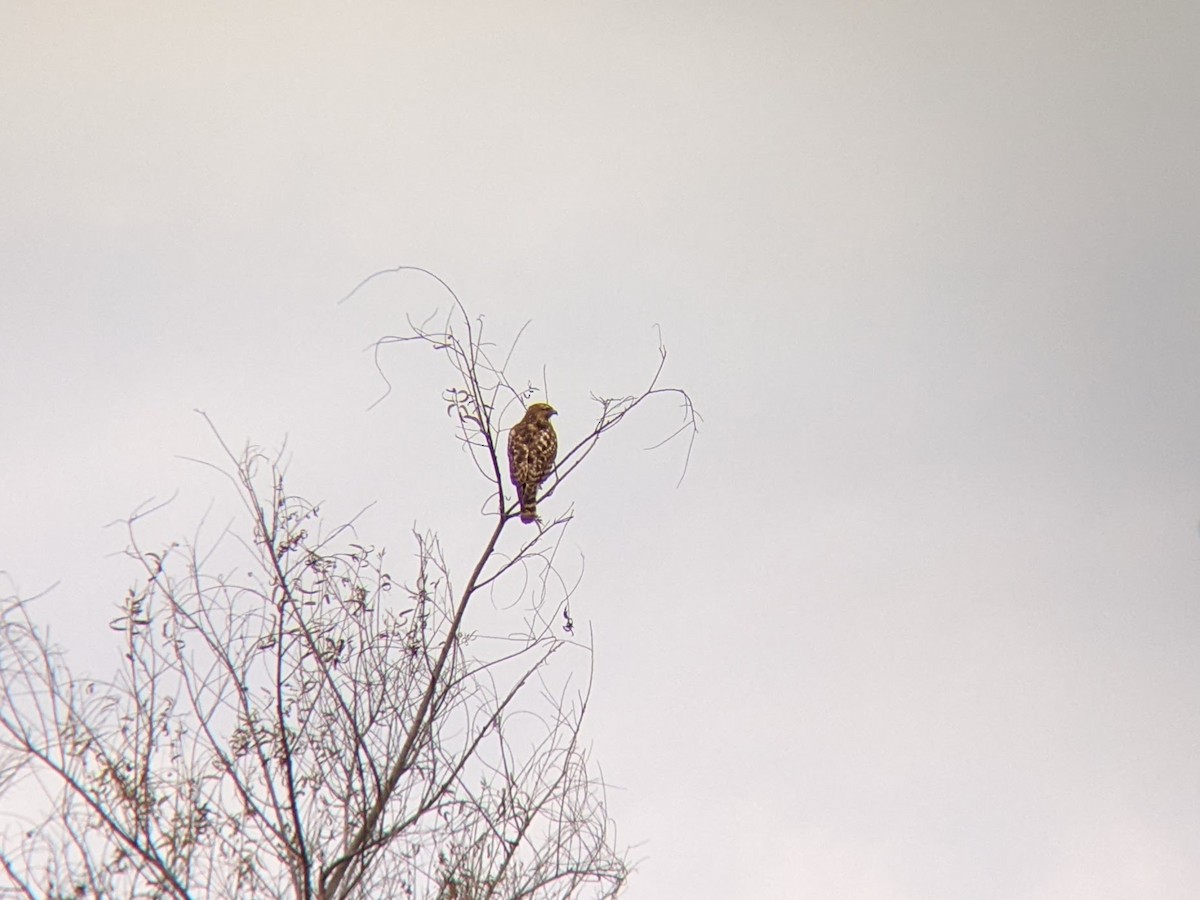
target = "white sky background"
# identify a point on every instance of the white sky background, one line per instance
(921, 621)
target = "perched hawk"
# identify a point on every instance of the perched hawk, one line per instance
(532, 446)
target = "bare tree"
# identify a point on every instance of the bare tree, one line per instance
(294, 723)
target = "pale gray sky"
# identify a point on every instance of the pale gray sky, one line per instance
(922, 621)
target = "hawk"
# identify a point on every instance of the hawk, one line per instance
(532, 446)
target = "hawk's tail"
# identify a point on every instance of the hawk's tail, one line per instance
(528, 510)
(528, 501)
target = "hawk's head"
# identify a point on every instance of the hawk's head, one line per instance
(540, 412)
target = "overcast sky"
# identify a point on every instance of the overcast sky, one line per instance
(921, 620)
